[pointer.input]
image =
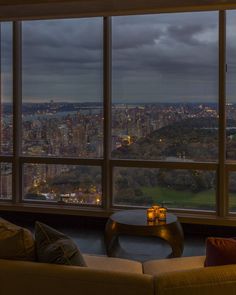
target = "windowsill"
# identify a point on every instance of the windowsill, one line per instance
(184, 216)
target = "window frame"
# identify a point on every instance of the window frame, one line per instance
(107, 163)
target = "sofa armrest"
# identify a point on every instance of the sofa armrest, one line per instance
(203, 281)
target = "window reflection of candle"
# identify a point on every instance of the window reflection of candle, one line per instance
(162, 213)
(150, 214)
(156, 210)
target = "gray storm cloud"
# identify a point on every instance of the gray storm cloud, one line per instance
(166, 57)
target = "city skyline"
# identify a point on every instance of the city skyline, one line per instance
(155, 131)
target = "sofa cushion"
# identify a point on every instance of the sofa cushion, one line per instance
(220, 251)
(156, 267)
(53, 246)
(16, 242)
(113, 264)
(30, 278)
(216, 280)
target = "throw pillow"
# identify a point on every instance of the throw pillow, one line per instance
(53, 246)
(16, 243)
(220, 251)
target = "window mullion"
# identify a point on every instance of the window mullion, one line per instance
(107, 172)
(17, 99)
(222, 202)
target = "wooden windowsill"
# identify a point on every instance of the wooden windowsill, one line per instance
(184, 217)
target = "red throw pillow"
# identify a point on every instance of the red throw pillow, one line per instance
(220, 251)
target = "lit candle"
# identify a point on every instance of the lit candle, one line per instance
(151, 214)
(156, 210)
(162, 214)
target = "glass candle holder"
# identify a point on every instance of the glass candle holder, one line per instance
(151, 214)
(156, 210)
(162, 213)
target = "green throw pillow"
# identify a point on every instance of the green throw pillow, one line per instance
(53, 246)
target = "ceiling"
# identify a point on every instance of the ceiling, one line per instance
(39, 9)
(129, 3)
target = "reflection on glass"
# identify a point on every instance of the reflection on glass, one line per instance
(65, 184)
(165, 87)
(62, 88)
(232, 191)
(184, 189)
(5, 181)
(6, 122)
(231, 85)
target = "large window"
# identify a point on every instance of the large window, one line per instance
(6, 118)
(62, 88)
(68, 184)
(165, 95)
(62, 109)
(130, 118)
(6, 145)
(231, 107)
(180, 188)
(165, 105)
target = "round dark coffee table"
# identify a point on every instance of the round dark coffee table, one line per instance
(134, 222)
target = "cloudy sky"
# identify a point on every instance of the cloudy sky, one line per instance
(155, 58)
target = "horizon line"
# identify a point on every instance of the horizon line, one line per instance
(94, 102)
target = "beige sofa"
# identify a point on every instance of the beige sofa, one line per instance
(188, 276)
(114, 276)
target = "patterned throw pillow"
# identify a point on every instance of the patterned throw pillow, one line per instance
(220, 251)
(16, 243)
(53, 246)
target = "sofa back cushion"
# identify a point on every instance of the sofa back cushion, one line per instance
(20, 277)
(159, 266)
(53, 246)
(16, 242)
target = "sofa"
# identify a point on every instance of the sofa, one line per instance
(49, 262)
(106, 275)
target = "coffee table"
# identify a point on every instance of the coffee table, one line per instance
(134, 222)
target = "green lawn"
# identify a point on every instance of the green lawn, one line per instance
(182, 199)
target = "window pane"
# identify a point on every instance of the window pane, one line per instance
(165, 87)
(6, 89)
(62, 88)
(66, 184)
(231, 85)
(5, 181)
(184, 189)
(232, 191)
